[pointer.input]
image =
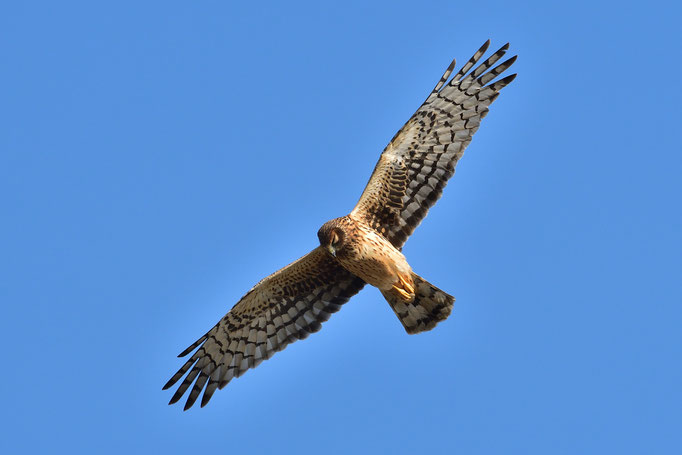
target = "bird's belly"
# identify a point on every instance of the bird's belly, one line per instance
(376, 265)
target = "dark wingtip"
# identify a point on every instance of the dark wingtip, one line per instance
(509, 62)
(194, 345)
(185, 352)
(510, 78)
(189, 403)
(502, 83)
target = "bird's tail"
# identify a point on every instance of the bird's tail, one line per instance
(429, 306)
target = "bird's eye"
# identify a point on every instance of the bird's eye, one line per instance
(335, 238)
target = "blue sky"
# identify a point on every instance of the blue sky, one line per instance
(158, 159)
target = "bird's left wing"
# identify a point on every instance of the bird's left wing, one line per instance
(287, 306)
(416, 165)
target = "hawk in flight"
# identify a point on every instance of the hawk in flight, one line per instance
(361, 247)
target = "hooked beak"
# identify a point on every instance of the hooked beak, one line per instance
(331, 249)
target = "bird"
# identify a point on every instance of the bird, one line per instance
(363, 247)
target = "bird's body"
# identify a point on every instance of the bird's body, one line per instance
(363, 247)
(366, 253)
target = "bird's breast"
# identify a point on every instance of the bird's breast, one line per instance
(374, 259)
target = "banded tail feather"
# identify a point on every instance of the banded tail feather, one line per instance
(429, 306)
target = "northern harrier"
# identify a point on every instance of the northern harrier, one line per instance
(359, 248)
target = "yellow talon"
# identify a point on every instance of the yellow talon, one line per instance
(406, 295)
(404, 288)
(406, 285)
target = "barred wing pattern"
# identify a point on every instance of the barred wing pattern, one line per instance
(416, 165)
(287, 306)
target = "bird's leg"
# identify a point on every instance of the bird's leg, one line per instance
(404, 288)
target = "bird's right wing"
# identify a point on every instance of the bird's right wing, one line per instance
(287, 306)
(416, 165)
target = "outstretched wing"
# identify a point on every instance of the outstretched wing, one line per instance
(287, 306)
(416, 165)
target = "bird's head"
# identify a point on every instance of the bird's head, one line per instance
(332, 236)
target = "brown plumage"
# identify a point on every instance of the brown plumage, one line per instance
(367, 254)
(361, 247)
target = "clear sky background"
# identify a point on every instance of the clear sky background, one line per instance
(158, 158)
